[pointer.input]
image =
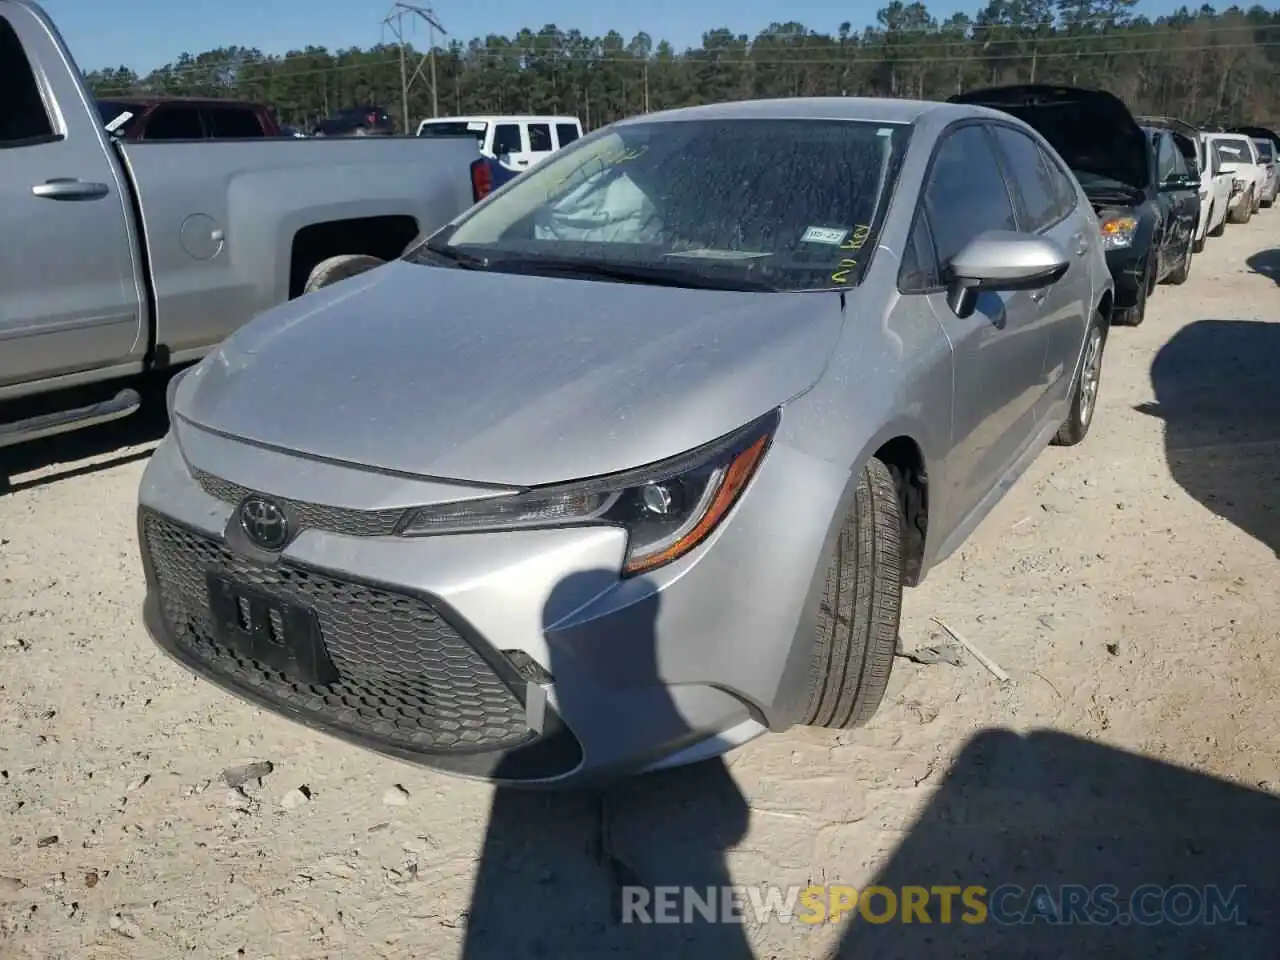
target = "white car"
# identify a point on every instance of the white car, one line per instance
(518, 142)
(1215, 193)
(1267, 158)
(1238, 154)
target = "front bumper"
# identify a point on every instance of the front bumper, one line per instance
(1128, 266)
(516, 657)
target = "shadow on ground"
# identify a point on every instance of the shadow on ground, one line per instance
(1013, 812)
(112, 441)
(1217, 387)
(1266, 263)
(1050, 809)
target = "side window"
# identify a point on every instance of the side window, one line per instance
(1166, 164)
(1180, 167)
(232, 123)
(540, 138)
(919, 270)
(1064, 185)
(506, 139)
(23, 119)
(566, 133)
(966, 193)
(1030, 177)
(174, 123)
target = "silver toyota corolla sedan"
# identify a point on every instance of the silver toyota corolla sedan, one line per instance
(629, 463)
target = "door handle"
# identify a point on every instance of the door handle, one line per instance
(1082, 246)
(66, 188)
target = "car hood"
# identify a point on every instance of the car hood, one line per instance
(508, 379)
(1091, 129)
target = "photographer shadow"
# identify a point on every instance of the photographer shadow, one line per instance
(1051, 809)
(558, 867)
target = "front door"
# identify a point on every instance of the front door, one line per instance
(69, 296)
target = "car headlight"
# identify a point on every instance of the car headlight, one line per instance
(667, 508)
(1118, 232)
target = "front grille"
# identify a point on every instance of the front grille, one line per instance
(407, 678)
(315, 516)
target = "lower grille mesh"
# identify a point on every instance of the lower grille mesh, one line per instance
(407, 678)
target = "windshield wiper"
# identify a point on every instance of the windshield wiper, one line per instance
(627, 273)
(439, 249)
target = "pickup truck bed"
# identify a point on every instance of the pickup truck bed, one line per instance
(121, 258)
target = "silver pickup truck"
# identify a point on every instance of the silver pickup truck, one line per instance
(119, 259)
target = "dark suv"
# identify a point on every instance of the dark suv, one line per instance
(357, 122)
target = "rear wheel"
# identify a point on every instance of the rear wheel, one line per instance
(861, 606)
(330, 271)
(1084, 392)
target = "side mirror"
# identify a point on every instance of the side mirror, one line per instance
(1002, 260)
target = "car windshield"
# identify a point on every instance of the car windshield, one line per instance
(774, 204)
(1232, 151)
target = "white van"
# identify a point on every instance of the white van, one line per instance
(519, 141)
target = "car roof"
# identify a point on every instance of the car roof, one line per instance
(871, 109)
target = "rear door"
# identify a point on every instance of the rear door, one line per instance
(70, 299)
(541, 144)
(1000, 348)
(1048, 208)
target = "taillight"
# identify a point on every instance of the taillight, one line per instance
(481, 179)
(372, 119)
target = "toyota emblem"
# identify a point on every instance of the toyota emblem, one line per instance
(264, 523)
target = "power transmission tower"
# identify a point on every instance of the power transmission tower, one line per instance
(395, 21)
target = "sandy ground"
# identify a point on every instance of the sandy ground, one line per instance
(1127, 586)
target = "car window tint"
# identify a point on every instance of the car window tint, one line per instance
(23, 117)
(566, 133)
(506, 139)
(966, 193)
(540, 137)
(174, 123)
(1030, 177)
(919, 270)
(233, 123)
(1064, 185)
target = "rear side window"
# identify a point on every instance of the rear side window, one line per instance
(23, 118)
(174, 123)
(233, 123)
(1266, 150)
(1031, 178)
(540, 138)
(566, 133)
(966, 194)
(506, 139)
(454, 128)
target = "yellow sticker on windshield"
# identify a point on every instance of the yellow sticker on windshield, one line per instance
(842, 272)
(855, 242)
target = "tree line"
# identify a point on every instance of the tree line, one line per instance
(1202, 65)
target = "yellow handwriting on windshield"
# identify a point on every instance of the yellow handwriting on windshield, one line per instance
(855, 242)
(602, 161)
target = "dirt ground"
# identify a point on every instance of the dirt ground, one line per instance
(1127, 586)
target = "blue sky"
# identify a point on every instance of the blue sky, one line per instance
(144, 34)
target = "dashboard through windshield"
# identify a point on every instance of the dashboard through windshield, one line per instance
(780, 204)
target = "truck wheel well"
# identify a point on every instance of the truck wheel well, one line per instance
(905, 461)
(382, 237)
(1105, 305)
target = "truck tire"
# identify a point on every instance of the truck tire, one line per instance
(330, 271)
(857, 636)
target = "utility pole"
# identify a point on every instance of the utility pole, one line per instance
(395, 21)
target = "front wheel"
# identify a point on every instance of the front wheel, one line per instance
(1243, 210)
(1134, 315)
(1084, 392)
(861, 607)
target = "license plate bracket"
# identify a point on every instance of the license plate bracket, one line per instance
(277, 633)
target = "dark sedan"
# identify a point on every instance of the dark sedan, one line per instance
(1143, 189)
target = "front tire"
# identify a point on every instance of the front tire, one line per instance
(1133, 316)
(1244, 210)
(1084, 391)
(861, 608)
